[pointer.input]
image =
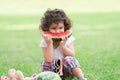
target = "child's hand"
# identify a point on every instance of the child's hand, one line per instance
(48, 39)
(64, 39)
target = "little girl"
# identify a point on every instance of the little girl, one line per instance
(59, 54)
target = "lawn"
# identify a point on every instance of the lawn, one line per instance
(97, 44)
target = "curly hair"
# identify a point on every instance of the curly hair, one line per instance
(54, 16)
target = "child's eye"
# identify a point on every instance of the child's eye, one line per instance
(53, 28)
(61, 27)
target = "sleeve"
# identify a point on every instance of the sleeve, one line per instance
(43, 43)
(70, 40)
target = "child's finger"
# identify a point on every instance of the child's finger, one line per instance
(50, 36)
(64, 38)
(46, 37)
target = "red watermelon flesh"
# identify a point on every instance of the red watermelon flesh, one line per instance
(56, 36)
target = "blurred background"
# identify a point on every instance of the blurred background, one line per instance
(39, 6)
(96, 27)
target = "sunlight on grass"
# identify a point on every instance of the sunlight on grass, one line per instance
(20, 27)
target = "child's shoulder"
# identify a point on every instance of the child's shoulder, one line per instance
(43, 43)
(70, 40)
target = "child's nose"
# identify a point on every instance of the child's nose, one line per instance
(57, 31)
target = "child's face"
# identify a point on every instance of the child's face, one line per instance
(56, 28)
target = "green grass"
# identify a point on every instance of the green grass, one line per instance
(97, 44)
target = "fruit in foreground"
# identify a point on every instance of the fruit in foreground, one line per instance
(47, 75)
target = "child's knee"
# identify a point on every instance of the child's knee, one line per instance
(70, 62)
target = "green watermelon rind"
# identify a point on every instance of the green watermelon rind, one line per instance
(47, 75)
(59, 39)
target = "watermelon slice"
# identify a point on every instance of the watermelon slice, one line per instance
(56, 36)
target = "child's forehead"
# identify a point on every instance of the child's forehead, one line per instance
(57, 24)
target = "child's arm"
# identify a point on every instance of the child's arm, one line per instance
(48, 51)
(67, 50)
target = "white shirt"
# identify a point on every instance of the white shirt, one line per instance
(58, 53)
